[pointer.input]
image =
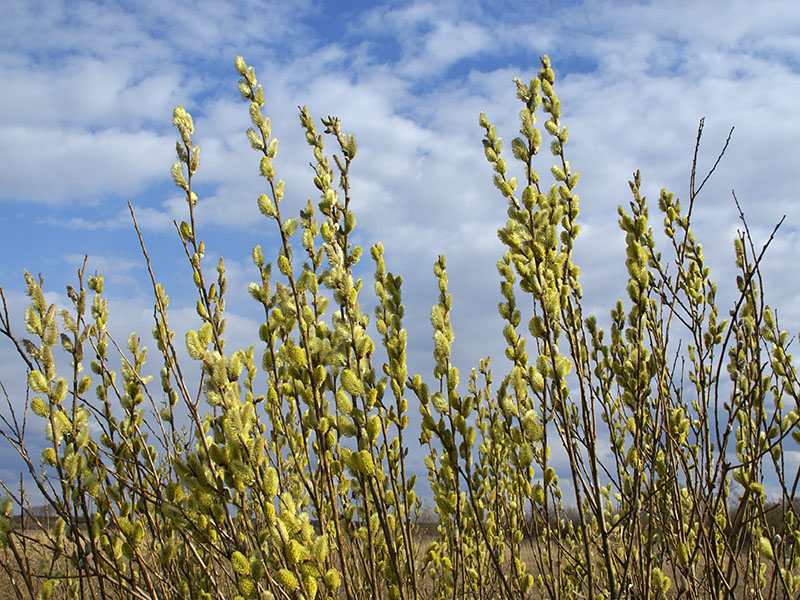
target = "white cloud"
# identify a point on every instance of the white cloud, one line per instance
(447, 44)
(43, 164)
(89, 89)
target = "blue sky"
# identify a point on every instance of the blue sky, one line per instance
(85, 126)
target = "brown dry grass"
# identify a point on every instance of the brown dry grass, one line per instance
(17, 581)
(13, 585)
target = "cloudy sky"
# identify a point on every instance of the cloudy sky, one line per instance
(88, 90)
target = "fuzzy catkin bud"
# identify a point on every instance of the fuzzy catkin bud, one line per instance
(272, 148)
(241, 66)
(346, 426)
(246, 587)
(332, 579)
(194, 160)
(287, 579)
(266, 169)
(49, 456)
(40, 407)
(240, 564)
(269, 513)
(265, 206)
(558, 173)
(320, 549)
(351, 383)
(194, 345)
(311, 586)
(538, 494)
(343, 402)
(6, 506)
(244, 90)
(439, 402)
(373, 426)
(296, 552)
(270, 481)
(38, 382)
(62, 422)
(525, 455)
(365, 464)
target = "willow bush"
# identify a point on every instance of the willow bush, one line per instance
(289, 477)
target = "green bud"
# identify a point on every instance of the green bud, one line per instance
(525, 455)
(660, 581)
(349, 222)
(351, 147)
(527, 583)
(683, 554)
(765, 548)
(60, 390)
(320, 549)
(244, 90)
(6, 506)
(258, 256)
(47, 589)
(573, 180)
(194, 160)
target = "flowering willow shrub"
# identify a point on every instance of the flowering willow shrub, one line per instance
(289, 479)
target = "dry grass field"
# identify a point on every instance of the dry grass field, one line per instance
(16, 584)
